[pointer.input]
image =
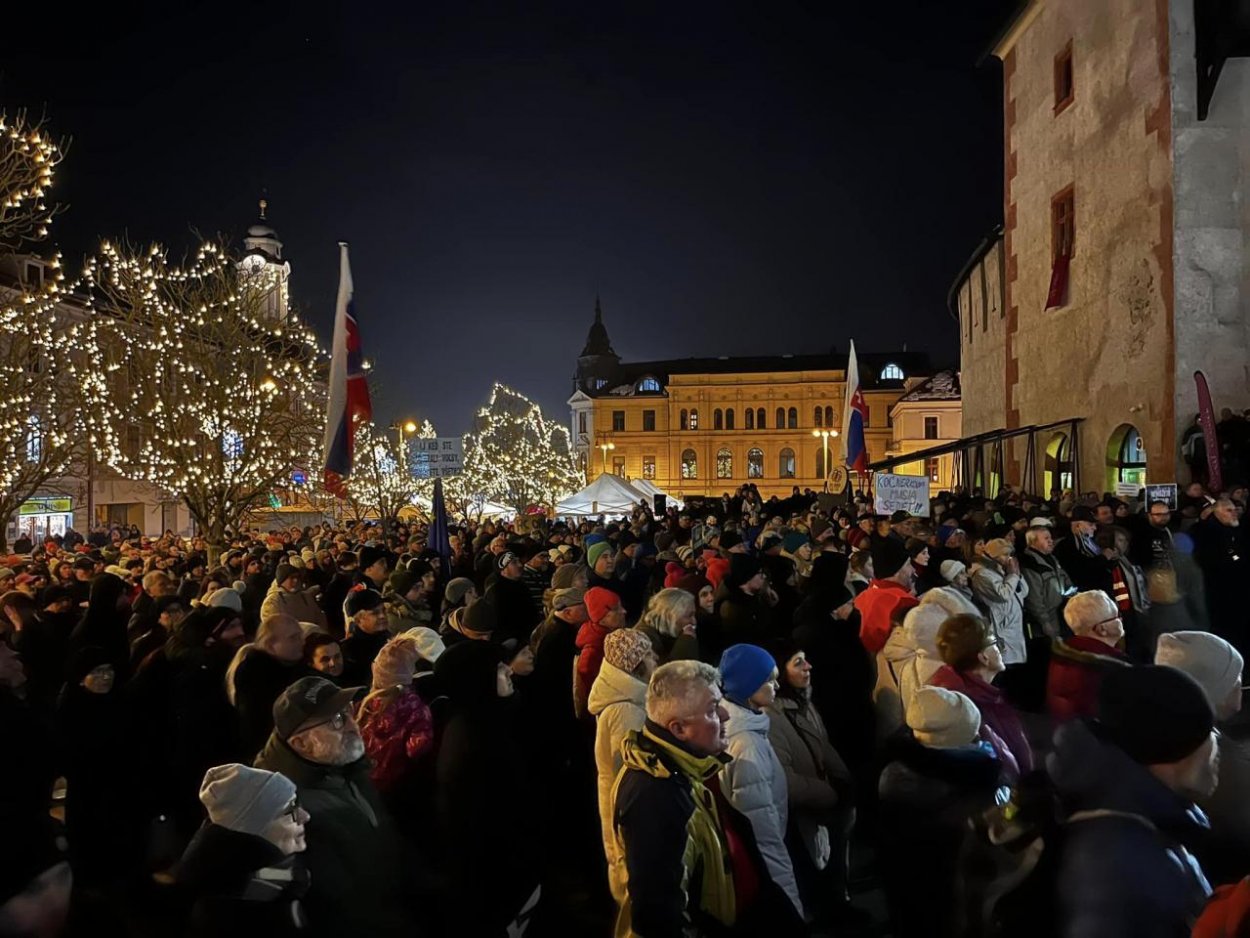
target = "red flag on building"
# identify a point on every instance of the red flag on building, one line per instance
(1058, 293)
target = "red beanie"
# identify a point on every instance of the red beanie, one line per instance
(598, 601)
(672, 573)
(717, 570)
(1227, 912)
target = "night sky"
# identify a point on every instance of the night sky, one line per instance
(730, 178)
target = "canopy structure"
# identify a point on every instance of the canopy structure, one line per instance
(650, 489)
(476, 509)
(607, 495)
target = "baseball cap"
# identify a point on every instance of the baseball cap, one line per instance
(307, 702)
(567, 598)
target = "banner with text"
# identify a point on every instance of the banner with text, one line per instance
(905, 493)
(437, 458)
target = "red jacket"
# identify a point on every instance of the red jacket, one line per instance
(1077, 665)
(878, 605)
(589, 659)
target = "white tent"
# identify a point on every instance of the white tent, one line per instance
(607, 495)
(650, 489)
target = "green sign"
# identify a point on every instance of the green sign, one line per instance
(49, 505)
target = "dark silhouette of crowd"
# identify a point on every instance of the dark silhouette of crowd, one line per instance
(1010, 717)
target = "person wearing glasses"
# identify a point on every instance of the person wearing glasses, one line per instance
(972, 657)
(1078, 664)
(1152, 544)
(354, 851)
(244, 866)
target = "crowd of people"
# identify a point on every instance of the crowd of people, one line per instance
(1014, 716)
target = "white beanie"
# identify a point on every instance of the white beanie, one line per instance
(942, 719)
(1208, 659)
(243, 799)
(226, 598)
(951, 569)
(429, 643)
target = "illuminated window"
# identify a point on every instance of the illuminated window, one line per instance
(933, 469)
(755, 464)
(601, 383)
(694, 419)
(34, 439)
(724, 464)
(618, 466)
(785, 463)
(648, 467)
(689, 465)
(649, 384)
(892, 372)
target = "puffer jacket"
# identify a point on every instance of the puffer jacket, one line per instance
(618, 704)
(755, 784)
(1048, 585)
(1123, 818)
(590, 638)
(818, 781)
(1002, 597)
(301, 604)
(877, 606)
(910, 656)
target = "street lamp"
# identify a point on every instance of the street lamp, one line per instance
(824, 436)
(407, 426)
(605, 447)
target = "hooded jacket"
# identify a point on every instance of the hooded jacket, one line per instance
(354, 853)
(618, 704)
(590, 638)
(1140, 829)
(301, 604)
(755, 784)
(1002, 596)
(877, 606)
(1048, 589)
(1077, 665)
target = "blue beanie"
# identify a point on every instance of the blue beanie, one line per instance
(743, 671)
(591, 539)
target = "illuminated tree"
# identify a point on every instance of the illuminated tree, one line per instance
(516, 456)
(39, 407)
(196, 386)
(380, 484)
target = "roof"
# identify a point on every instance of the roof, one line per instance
(624, 377)
(943, 386)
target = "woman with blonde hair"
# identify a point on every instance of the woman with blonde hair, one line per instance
(669, 622)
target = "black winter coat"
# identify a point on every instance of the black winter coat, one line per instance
(258, 681)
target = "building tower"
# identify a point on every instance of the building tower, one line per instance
(262, 257)
(598, 362)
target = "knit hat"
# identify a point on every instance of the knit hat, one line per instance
(429, 643)
(684, 552)
(1155, 714)
(401, 581)
(369, 555)
(1208, 659)
(456, 588)
(793, 541)
(741, 568)
(999, 549)
(951, 569)
(673, 572)
(941, 718)
(946, 532)
(567, 598)
(480, 617)
(888, 556)
(693, 584)
(599, 601)
(625, 649)
(243, 799)
(565, 576)
(718, 569)
(311, 699)
(226, 598)
(819, 527)
(743, 671)
(361, 601)
(308, 555)
(595, 551)
(284, 571)
(417, 568)
(395, 663)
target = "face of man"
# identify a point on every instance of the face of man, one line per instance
(1199, 773)
(755, 584)
(614, 618)
(703, 728)
(376, 571)
(172, 615)
(1044, 542)
(291, 583)
(1226, 513)
(1104, 514)
(231, 634)
(328, 659)
(1160, 515)
(606, 563)
(372, 621)
(288, 640)
(574, 615)
(286, 831)
(334, 742)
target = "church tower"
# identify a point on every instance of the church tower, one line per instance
(598, 363)
(262, 257)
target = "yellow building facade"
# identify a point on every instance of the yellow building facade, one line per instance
(928, 416)
(709, 426)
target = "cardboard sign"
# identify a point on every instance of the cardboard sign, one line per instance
(438, 457)
(906, 493)
(1127, 489)
(1164, 492)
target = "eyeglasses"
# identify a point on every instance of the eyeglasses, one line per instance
(994, 643)
(293, 809)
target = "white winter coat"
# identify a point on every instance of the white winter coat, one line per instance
(1002, 599)
(755, 784)
(910, 656)
(618, 703)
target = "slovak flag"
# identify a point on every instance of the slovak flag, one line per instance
(854, 418)
(349, 391)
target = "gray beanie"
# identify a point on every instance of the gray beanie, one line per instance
(226, 598)
(244, 799)
(1208, 659)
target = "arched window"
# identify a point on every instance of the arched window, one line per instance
(685, 419)
(755, 464)
(750, 419)
(729, 419)
(689, 465)
(785, 463)
(759, 419)
(648, 384)
(817, 419)
(892, 372)
(694, 418)
(781, 418)
(600, 383)
(792, 419)
(1126, 457)
(828, 416)
(1057, 469)
(718, 419)
(724, 463)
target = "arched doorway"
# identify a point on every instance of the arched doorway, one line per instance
(1126, 457)
(1057, 470)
